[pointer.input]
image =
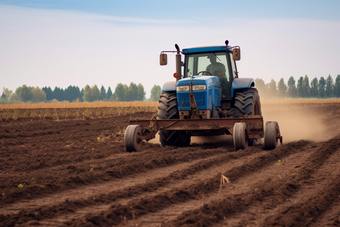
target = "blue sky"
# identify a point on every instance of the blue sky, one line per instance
(62, 43)
(312, 9)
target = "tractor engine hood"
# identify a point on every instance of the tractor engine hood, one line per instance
(206, 90)
(207, 80)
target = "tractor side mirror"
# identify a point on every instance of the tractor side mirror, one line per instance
(236, 54)
(163, 59)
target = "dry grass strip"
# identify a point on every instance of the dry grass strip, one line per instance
(78, 105)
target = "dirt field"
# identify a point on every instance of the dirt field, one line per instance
(75, 172)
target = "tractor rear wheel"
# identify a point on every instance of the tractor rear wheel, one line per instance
(240, 137)
(168, 109)
(247, 102)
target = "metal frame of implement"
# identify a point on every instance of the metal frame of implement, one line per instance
(149, 128)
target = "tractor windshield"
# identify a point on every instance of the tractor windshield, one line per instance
(210, 64)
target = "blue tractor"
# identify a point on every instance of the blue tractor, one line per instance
(208, 99)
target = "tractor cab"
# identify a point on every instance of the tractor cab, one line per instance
(211, 61)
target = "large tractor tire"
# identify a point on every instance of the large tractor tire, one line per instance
(247, 102)
(168, 109)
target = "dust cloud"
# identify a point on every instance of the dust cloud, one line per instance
(297, 124)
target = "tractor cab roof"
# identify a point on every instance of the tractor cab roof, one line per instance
(205, 49)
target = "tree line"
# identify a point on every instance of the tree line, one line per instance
(122, 92)
(302, 88)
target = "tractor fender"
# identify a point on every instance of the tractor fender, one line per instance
(169, 86)
(241, 83)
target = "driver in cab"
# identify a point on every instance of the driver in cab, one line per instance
(218, 69)
(215, 68)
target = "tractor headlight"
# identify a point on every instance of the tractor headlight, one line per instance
(199, 87)
(182, 88)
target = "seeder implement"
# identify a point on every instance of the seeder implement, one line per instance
(244, 129)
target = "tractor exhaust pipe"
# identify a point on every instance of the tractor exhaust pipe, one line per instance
(178, 63)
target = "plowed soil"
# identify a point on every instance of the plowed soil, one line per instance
(76, 172)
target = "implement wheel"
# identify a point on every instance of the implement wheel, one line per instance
(271, 132)
(131, 138)
(167, 109)
(240, 136)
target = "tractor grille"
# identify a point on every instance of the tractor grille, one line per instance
(200, 98)
(217, 94)
(184, 100)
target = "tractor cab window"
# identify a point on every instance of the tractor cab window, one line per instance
(210, 64)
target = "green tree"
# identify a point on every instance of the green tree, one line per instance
(81, 95)
(38, 95)
(261, 87)
(113, 98)
(156, 92)
(120, 92)
(95, 93)
(322, 85)
(337, 87)
(292, 90)
(329, 86)
(49, 93)
(91, 94)
(314, 92)
(76, 93)
(272, 88)
(24, 93)
(3, 99)
(132, 93)
(299, 87)
(103, 95)
(58, 94)
(126, 91)
(140, 92)
(6, 93)
(282, 88)
(72, 93)
(87, 94)
(109, 93)
(14, 98)
(305, 87)
(259, 83)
